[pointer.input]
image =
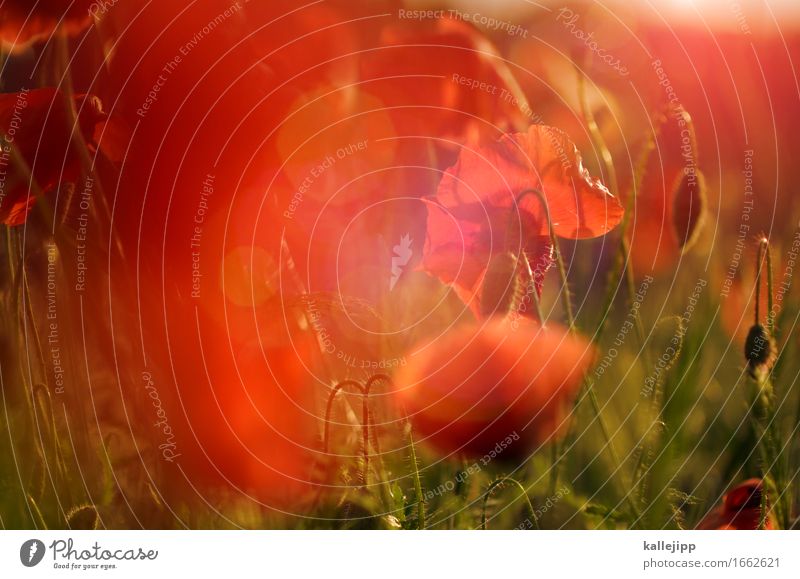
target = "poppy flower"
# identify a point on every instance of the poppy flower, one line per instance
(740, 509)
(254, 426)
(21, 22)
(35, 126)
(671, 201)
(479, 210)
(476, 386)
(240, 410)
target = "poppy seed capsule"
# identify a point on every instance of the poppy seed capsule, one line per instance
(759, 349)
(502, 289)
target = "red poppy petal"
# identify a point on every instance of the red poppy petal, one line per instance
(454, 252)
(544, 158)
(479, 209)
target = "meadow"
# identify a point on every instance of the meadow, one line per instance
(399, 265)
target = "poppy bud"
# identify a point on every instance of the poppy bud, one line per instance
(671, 197)
(502, 288)
(759, 350)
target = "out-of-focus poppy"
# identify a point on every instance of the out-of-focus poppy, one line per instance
(22, 22)
(740, 509)
(671, 201)
(479, 210)
(37, 137)
(476, 386)
(332, 140)
(255, 425)
(443, 78)
(240, 411)
(727, 103)
(310, 43)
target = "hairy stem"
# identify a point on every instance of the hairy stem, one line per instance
(501, 482)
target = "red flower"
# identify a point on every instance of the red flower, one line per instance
(477, 386)
(478, 212)
(740, 509)
(24, 21)
(254, 424)
(241, 406)
(34, 125)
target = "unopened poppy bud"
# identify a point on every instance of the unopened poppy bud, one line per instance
(759, 349)
(502, 288)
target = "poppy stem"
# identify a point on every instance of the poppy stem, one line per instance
(599, 144)
(27, 298)
(764, 255)
(625, 265)
(567, 300)
(365, 418)
(16, 286)
(596, 136)
(501, 482)
(537, 302)
(766, 420)
(562, 271)
(38, 519)
(378, 464)
(375, 378)
(616, 462)
(646, 446)
(417, 479)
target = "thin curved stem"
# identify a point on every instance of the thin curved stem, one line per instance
(642, 467)
(329, 408)
(764, 254)
(600, 145)
(562, 271)
(417, 480)
(536, 301)
(500, 482)
(595, 135)
(364, 426)
(375, 378)
(567, 300)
